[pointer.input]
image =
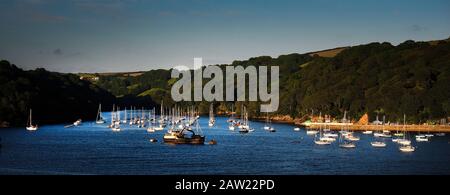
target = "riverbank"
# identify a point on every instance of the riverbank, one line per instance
(410, 128)
(355, 127)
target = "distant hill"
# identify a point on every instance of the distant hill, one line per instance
(54, 97)
(329, 53)
(378, 78)
(411, 78)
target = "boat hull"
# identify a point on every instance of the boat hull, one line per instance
(196, 140)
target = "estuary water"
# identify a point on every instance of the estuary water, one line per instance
(95, 149)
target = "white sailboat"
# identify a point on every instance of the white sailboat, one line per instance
(344, 143)
(268, 126)
(403, 141)
(124, 121)
(378, 144)
(212, 120)
(232, 120)
(99, 119)
(30, 126)
(407, 148)
(322, 140)
(151, 128)
(115, 127)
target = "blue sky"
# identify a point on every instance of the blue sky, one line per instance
(130, 35)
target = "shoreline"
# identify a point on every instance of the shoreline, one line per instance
(356, 127)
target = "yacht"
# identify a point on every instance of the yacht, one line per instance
(30, 126)
(99, 119)
(378, 144)
(367, 132)
(407, 148)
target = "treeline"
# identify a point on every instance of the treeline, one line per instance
(54, 97)
(412, 78)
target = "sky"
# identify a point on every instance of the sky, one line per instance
(133, 35)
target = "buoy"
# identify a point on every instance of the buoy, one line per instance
(212, 142)
(153, 140)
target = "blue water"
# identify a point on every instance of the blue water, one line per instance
(95, 149)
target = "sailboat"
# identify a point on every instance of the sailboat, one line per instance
(321, 140)
(99, 119)
(114, 125)
(124, 121)
(407, 148)
(344, 143)
(151, 128)
(245, 126)
(212, 120)
(403, 141)
(268, 125)
(30, 126)
(231, 120)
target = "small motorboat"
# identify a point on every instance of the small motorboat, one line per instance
(311, 132)
(330, 134)
(296, 129)
(78, 122)
(328, 139)
(421, 139)
(407, 148)
(322, 142)
(347, 145)
(404, 142)
(350, 137)
(271, 129)
(378, 144)
(231, 127)
(367, 132)
(151, 130)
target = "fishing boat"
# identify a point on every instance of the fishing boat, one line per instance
(180, 137)
(99, 119)
(378, 144)
(407, 148)
(30, 126)
(212, 120)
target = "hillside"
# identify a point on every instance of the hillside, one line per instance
(54, 97)
(379, 78)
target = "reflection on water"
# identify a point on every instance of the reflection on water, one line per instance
(95, 149)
